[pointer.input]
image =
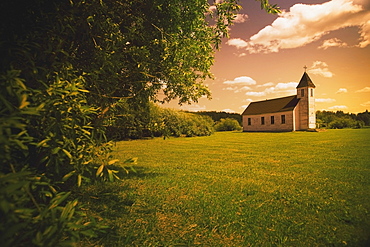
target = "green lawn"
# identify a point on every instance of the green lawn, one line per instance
(240, 189)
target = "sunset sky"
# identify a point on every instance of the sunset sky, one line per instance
(265, 55)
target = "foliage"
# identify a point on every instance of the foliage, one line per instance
(227, 124)
(64, 66)
(157, 121)
(32, 211)
(178, 123)
(216, 116)
(31, 208)
(340, 120)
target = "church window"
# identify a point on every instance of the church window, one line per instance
(311, 92)
(249, 121)
(262, 120)
(302, 92)
(283, 119)
(272, 120)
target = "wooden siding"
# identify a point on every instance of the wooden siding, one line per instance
(256, 124)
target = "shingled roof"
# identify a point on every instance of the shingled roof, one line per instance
(305, 81)
(272, 105)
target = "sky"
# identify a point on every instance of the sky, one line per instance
(265, 56)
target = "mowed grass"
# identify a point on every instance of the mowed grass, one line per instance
(241, 189)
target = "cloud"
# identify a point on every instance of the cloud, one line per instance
(237, 89)
(245, 88)
(367, 104)
(247, 100)
(269, 84)
(364, 90)
(228, 110)
(230, 88)
(195, 108)
(320, 68)
(338, 107)
(255, 94)
(238, 43)
(341, 90)
(242, 80)
(335, 42)
(325, 100)
(240, 18)
(212, 8)
(288, 88)
(304, 24)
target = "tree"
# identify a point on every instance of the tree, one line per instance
(76, 61)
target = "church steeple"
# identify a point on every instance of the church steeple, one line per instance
(306, 105)
(305, 81)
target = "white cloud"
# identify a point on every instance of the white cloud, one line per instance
(230, 88)
(335, 42)
(248, 100)
(240, 18)
(193, 107)
(245, 88)
(212, 8)
(367, 104)
(341, 90)
(338, 107)
(320, 68)
(269, 84)
(328, 100)
(288, 88)
(242, 80)
(255, 94)
(304, 24)
(364, 90)
(238, 43)
(228, 110)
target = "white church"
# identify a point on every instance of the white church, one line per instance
(291, 113)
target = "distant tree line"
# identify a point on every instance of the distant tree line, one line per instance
(340, 120)
(217, 116)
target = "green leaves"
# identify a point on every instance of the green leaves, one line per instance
(271, 9)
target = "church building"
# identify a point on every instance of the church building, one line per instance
(291, 113)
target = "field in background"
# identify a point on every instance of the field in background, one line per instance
(241, 189)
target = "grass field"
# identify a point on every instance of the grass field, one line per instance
(240, 189)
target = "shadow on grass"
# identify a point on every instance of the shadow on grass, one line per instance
(108, 201)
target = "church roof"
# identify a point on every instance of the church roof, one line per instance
(272, 105)
(305, 81)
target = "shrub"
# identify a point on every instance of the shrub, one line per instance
(159, 122)
(32, 211)
(227, 124)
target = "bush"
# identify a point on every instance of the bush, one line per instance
(178, 123)
(129, 124)
(32, 211)
(227, 124)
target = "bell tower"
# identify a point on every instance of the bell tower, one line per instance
(306, 105)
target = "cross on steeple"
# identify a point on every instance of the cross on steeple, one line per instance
(305, 68)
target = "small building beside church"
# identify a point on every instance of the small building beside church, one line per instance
(291, 113)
